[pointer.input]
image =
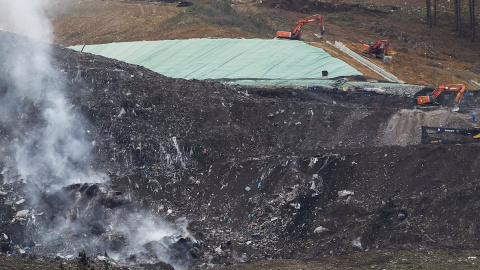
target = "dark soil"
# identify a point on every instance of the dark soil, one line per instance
(260, 173)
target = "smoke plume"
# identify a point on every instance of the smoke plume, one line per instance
(45, 144)
(53, 150)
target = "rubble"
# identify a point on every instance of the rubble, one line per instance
(170, 149)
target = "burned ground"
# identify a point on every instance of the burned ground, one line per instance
(258, 173)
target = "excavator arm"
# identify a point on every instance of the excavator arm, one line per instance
(461, 92)
(295, 33)
(431, 135)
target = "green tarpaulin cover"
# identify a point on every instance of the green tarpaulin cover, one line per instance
(256, 61)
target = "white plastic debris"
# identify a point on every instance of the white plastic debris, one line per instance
(320, 229)
(21, 251)
(343, 193)
(376, 90)
(3, 193)
(122, 112)
(20, 201)
(247, 188)
(313, 161)
(68, 257)
(356, 243)
(101, 258)
(5, 237)
(22, 213)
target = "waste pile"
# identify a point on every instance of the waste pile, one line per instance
(238, 174)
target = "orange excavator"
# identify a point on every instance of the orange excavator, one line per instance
(379, 49)
(432, 98)
(295, 33)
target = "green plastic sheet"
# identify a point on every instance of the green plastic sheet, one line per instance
(251, 61)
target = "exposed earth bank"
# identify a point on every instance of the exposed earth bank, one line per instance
(264, 174)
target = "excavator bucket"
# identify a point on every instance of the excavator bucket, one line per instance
(322, 31)
(476, 132)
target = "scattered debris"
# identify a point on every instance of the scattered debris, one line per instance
(343, 193)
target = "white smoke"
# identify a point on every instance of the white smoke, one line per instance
(27, 18)
(59, 146)
(49, 146)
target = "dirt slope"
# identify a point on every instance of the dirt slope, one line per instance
(98, 22)
(310, 160)
(270, 173)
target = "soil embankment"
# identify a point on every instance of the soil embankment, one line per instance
(270, 173)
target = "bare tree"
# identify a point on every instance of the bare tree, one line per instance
(472, 18)
(458, 17)
(429, 13)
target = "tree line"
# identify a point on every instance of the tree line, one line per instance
(457, 7)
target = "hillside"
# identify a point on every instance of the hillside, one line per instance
(422, 55)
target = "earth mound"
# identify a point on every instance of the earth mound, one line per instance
(252, 173)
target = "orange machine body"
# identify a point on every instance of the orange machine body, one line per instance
(295, 33)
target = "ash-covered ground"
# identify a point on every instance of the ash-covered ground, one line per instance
(193, 174)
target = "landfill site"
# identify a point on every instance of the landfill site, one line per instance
(212, 135)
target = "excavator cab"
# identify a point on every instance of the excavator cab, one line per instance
(369, 47)
(424, 100)
(287, 34)
(379, 48)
